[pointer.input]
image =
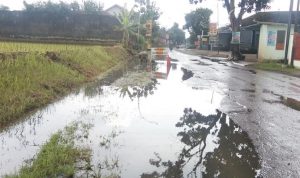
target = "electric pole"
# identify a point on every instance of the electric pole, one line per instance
(288, 33)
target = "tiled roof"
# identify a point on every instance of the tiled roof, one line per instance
(270, 17)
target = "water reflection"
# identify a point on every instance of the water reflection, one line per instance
(187, 74)
(139, 91)
(146, 115)
(214, 147)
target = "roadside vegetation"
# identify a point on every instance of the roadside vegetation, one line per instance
(277, 67)
(33, 75)
(60, 156)
(68, 153)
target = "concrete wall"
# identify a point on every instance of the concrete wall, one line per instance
(296, 63)
(266, 52)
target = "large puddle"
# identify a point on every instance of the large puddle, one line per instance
(166, 128)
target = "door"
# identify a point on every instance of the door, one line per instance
(297, 46)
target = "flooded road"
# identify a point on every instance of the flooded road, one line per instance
(177, 125)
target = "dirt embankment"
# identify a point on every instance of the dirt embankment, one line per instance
(33, 75)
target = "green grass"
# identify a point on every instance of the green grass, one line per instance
(276, 67)
(45, 72)
(54, 160)
(65, 155)
(89, 61)
(57, 158)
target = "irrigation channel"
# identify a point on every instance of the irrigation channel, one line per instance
(169, 126)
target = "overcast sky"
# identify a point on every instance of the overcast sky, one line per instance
(172, 10)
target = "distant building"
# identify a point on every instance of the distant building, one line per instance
(268, 32)
(114, 10)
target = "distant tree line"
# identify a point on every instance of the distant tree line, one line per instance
(88, 6)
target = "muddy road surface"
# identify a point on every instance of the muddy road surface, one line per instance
(191, 118)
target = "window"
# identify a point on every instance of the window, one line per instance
(280, 40)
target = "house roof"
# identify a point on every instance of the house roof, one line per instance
(270, 17)
(114, 6)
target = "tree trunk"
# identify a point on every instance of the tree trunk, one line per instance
(235, 48)
(235, 52)
(235, 26)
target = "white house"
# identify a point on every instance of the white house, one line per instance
(114, 10)
(272, 29)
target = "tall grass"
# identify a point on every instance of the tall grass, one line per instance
(30, 81)
(90, 61)
(34, 78)
(8, 47)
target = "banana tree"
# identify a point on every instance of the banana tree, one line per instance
(127, 25)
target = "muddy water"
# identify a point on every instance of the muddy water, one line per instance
(168, 127)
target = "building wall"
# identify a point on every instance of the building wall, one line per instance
(269, 52)
(296, 63)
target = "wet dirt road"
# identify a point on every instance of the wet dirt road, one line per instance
(196, 117)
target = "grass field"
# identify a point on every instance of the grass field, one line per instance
(32, 74)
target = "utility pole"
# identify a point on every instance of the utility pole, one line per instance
(288, 33)
(139, 26)
(295, 34)
(218, 27)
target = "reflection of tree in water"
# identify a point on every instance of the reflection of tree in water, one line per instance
(96, 88)
(92, 91)
(139, 91)
(104, 161)
(187, 74)
(233, 156)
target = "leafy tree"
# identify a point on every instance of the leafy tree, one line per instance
(74, 6)
(148, 11)
(192, 38)
(197, 22)
(4, 8)
(159, 39)
(46, 6)
(244, 6)
(176, 35)
(90, 6)
(61, 7)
